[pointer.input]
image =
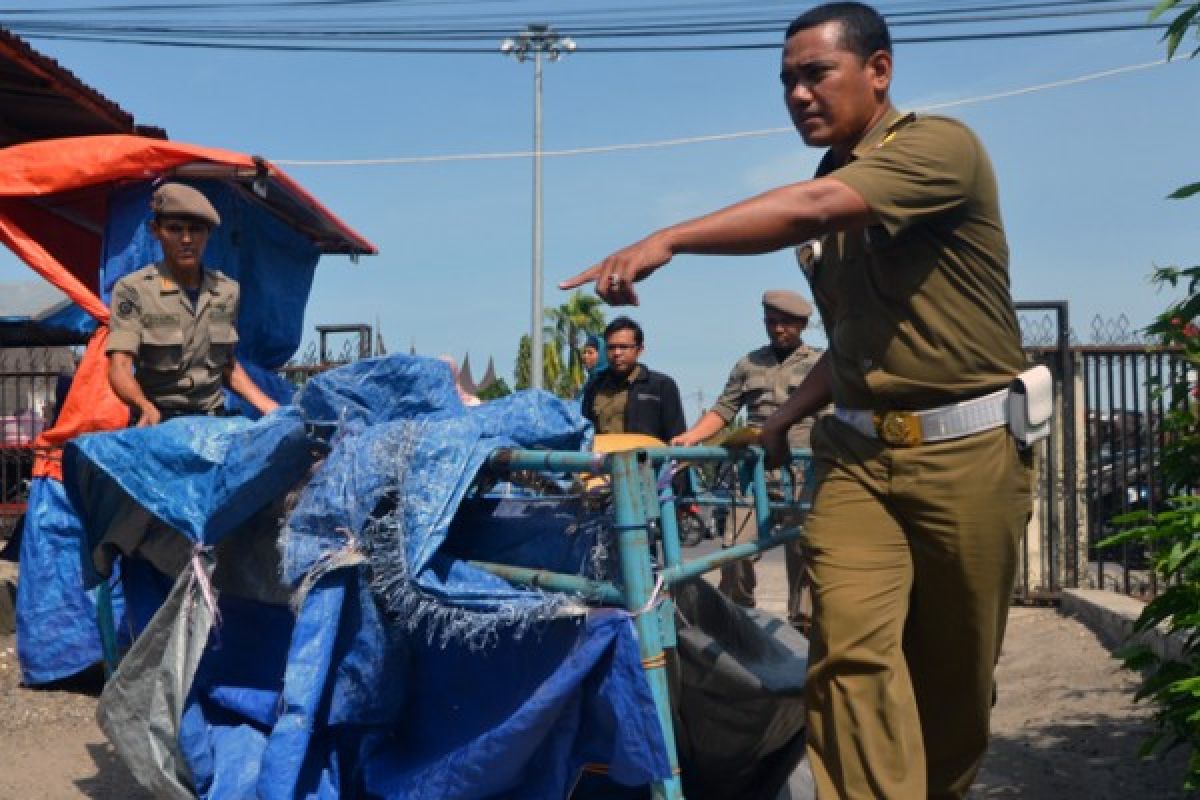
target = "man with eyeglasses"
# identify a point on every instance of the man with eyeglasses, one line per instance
(628, 397)
(762, 381)
(176, 321)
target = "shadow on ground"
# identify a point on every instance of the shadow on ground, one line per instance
(112, 780)
(1092, 756)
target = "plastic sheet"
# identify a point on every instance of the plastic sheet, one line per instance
(56, 619)
(221, 471)
(401, 674)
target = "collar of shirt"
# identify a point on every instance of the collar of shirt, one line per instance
(877, 136)
(168, 285)
(801, 350)
(633, 377)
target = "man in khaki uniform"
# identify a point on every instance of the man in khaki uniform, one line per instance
(922, 493)
(176, 321)
(761, 381)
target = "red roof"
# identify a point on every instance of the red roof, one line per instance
(54, 195)
(41, 99)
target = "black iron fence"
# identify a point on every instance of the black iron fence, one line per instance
(1130, 391)
(1105, 457)
(31, 380)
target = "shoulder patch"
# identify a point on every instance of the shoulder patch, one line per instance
(125, 309)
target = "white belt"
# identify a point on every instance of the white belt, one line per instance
(909, 428)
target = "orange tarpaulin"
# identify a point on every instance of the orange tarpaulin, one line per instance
(53, 209)
(90, 406)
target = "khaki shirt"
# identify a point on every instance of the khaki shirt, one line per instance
(762, 383)
(180, 352)
(918, 308)
(612, 395)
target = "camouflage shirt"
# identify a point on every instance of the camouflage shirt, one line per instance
(180, 351)
(762, 383)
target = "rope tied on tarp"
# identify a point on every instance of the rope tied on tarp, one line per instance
(201, 558)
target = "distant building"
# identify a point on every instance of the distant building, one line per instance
(467, 380)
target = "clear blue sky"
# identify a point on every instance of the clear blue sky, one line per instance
(1083, 170)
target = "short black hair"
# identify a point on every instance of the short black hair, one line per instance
(864, 30)
(624, 324)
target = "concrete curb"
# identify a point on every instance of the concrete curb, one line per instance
(1111, 616)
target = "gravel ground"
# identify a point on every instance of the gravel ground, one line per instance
(51, 747)
(1065, 724)
(1064, 727)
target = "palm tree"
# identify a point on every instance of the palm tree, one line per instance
(570, 323)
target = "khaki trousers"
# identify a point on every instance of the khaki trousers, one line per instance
(738, 580)
(912, 555)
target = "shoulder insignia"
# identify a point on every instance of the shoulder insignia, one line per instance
(124, 309)
(896, 127)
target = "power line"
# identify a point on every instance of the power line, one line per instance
(719, 137)
(731, 9)
(614, 20)
(670, 48)
(380, 30)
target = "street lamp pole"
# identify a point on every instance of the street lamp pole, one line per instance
(534, 42)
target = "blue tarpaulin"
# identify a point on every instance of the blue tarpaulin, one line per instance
(403, 671)
(56, 619)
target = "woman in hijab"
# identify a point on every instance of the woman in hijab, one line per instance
(595, 360)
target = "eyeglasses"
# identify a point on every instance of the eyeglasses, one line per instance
(612, 347)
(180, 228)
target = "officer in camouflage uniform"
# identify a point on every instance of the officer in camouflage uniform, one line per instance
(761, 381)
(176, 321)
(922, 492)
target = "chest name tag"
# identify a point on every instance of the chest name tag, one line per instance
(160, 320)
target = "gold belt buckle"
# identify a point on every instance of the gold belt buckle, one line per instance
(898, 428)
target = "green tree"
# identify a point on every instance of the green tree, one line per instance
(552, 368)
(498, 388)
(571, 322)
(1188, 17)
(562, 343)
(1172, 536)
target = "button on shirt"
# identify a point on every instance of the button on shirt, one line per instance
(181, 349)
(762, 383)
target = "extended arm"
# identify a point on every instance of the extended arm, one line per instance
(707, 427)
(244, 386)
(811, 396)
(773, 220)
(126, 387)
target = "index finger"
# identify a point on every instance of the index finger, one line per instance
(586, 276)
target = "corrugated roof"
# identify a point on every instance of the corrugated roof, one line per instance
(41, 99)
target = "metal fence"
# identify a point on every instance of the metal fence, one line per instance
(29, 389)
(1105, 456)
(1129, 392)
